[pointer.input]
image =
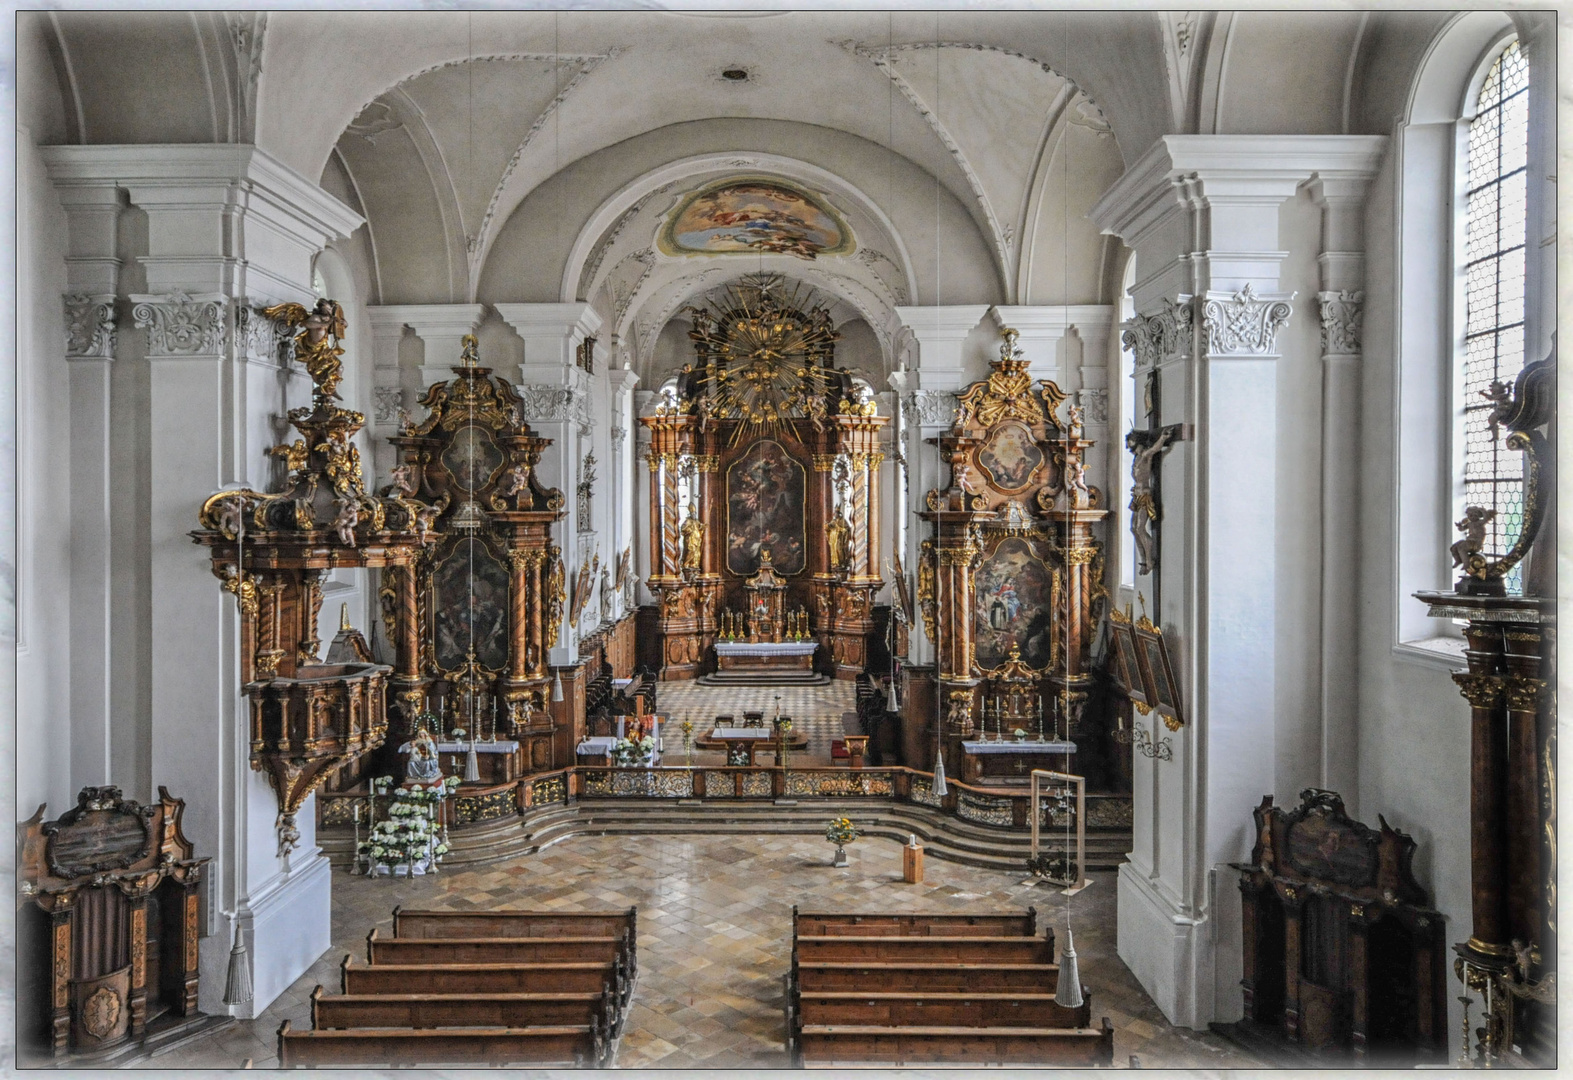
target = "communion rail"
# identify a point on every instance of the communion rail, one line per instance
(1001, 808)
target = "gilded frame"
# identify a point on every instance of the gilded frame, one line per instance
(802, 516)
(1152, 655)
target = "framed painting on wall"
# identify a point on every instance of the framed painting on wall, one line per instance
(1126, 668)
(1152, 655)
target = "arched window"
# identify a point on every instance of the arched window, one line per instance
(1493, 206)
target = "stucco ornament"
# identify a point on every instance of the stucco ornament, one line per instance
(179, 324)
(1243, 322)
(1342, 315)
(90, 325)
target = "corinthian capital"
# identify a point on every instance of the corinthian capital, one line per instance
(90, 326)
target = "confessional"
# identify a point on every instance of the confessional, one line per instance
(108, 920)
(1342, 953)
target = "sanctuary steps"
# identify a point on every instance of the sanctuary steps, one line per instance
(944, 837)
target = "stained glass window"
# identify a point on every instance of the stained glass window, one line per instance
(1493, 274)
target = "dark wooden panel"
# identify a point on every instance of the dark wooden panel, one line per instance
(912, 977)
(490, 950)
(477, 978)
(457, 1010)
(498, 924)
(998, 950)
(934, 1008)
(876, 924)
(381, 1046)
(1083, 1047)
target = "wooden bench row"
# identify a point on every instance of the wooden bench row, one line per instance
(477, 988)
(912, 989)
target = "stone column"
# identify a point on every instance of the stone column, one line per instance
(621, 468)
(557, 400)
(1202, 214)
(1342, 302)
(212, 397)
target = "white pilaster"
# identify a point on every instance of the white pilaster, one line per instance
(93, 276)
(1341, 310)
(1202, 213)
(229, 229)
(558, 400)
(441, 327)
(622, 468)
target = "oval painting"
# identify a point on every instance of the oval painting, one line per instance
(1009, 457)
(750, 217)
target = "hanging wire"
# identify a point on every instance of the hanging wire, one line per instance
(1067, 990)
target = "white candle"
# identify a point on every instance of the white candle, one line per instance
(621, 726)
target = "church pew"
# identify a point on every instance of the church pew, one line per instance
(965, 949)
(579, 977)
(497, 950)
(582, 1045)
(471, 1009)
(934, 1008)
(820, 976)
(914, 924)
(497, 924)
(821, 1045)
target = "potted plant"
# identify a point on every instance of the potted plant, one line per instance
(634, 752)
(841, 832)
(1021, 734)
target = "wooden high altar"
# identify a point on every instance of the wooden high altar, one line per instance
(797, 474)
(1010, 582)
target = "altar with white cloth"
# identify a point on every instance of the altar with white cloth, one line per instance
(764, 663)
(499, 761)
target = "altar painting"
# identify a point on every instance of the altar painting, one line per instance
(472, 457)
(1013, 606)
(755, 217)
(1009, 456)
(764, 496)
(470, 603)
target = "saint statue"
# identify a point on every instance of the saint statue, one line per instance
(423, 766)
(606, 595)
(838, 538)
(317, 345)
(693, 532)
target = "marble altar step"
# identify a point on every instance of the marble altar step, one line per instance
(945, 837)
(763, 677)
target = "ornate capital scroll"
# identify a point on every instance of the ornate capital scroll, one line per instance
(179, 324)
(90, 326)
(1342, 314)
(933, 407)
(1244, 323)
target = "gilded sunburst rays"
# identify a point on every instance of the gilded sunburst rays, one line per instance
(763, 350)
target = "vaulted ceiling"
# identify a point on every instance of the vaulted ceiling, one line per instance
(533, 155)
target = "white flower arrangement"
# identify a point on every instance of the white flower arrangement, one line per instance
(628, 752)
(410, 834)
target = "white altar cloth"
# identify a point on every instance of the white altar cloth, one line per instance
(501, 746)
(742, 733)
(765, 648)
(1011, 746)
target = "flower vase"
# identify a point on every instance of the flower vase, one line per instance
(840, 858)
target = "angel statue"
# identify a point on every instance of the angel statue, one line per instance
(317, 345)
(1076, 490)
(349, 517)
(516, 485)
(1473, 525)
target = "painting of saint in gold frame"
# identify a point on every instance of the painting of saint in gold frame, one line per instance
(1152, 655)
(764, 508)
(1122, 660)
(1013, 606)
(469, 604)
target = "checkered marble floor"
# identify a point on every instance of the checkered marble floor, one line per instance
(816, 709)
(714, 930)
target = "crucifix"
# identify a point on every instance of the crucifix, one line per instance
(1147, 449)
